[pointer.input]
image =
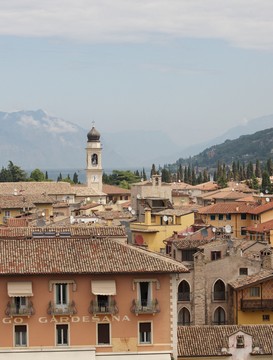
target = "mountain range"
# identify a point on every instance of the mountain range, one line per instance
(35, 139)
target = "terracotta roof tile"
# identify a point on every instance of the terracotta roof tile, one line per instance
(75, 231)
(261, 276)
(263, 227)
(227, 208)
(33, 187)
(208, 340)
(72, 256)
(111, 189)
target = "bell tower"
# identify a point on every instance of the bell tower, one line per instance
(93, 160)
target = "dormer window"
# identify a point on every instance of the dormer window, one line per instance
(240, 341)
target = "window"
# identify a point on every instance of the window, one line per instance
(20, 335)
(184, 317)
(228, 216)
(243, 216)
(19, 304)
(219, 316)
(243, 271)
(94, 159)
(184, 291)
(254, 291)
(219, 290)
(212, 217)
(221, 217)
(103, 331)
(266, 317)
(145, 333)
(144, 292)
(62, 334)
(215, 255)
(240, 341)
(103, 302)
(7, 213)
(243, 231)
(61, 295)
(187, 254)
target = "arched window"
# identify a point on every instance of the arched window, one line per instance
(219, 290)
(219, 316)
(94, 159)
(184, 291)
(184, 317)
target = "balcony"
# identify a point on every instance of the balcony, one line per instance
(62, 309)
(145, 307)
(23, 310)
(219, 296)
(184, 296)
(258, 304)
(97, 307)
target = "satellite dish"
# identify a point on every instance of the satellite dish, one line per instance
(228, 229)
(138, 196)
(129, 208)
(170, 219)
(213, 230)
(133, 212)
(165, 218)
(261, 194)
(267, 199)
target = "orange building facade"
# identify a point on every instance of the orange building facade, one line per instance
(90, 298)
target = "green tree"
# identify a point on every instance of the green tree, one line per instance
(249, 170)
(266, 184)
(75, 178)
(269, 167)
(37, 175)
(165, 175)
(258, 171)
(60, 177)
(153, 170)
(254, 183)
(143, 175)
(13, 173)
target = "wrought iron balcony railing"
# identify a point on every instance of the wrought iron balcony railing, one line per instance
(62, 309)
(23, 310)
(145, 307)
(257, 304)
(97, 307)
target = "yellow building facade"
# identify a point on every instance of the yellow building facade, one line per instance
(157, 227)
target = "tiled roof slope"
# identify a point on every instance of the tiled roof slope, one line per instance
(236, 207)
(226, 208)
(76, 231)
(261, 276)
(84, 256)
(265, 226)
(33, 187)
(208, 340)
(111, 189)
(20, 201)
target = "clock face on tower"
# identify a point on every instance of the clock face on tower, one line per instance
(95, 178)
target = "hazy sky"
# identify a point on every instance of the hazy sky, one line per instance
(191, 68)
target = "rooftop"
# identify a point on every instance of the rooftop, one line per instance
(208, 340)
(84, 256)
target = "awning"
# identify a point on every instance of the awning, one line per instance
(20, 289)
(103, 287)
